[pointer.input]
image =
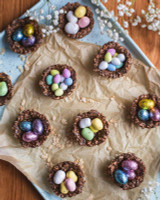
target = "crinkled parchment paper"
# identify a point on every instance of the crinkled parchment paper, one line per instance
(111, 97)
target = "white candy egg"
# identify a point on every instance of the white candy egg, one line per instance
(59, 177)
(63, 86)
(71, 17)
(85, 122)
(103, 65)
(71, 28)
(121, 57)
(116, 61)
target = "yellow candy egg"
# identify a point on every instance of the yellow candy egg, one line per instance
(97, 124)
(28, 30)
(146, 104)
(72, 175)
(92, 129)
(80, 12)
(63, 188)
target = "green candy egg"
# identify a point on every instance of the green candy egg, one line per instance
(119, 66)
(49, 80)
(87, 134)
(3, 88)
(54, 87)
(108, 57)
(54, 72)
(59, 92)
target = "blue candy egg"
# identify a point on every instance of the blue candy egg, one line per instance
(18, 35)
(111, 67)
(120, 177)
(119, 66)
(143, 115)
(25, 126)
(49, 80)
(68, 81)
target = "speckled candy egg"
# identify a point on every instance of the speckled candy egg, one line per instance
(68, 81)
(97, 124)
(71, 17)
(49, 80)
(29, 137)
(111, 51)
(63, 86)
(121, 57)
(120, 177)
(143, 115)
(87, 134)
(129, 165)
(130, 174)
(25, 126)
(71, 28)
(18, 35)
(80, 12)
(63, 188)
(59, 177)
(72, 175)
(54, 87)
(54, 72)
(85, 122)
(3, 89)
(84, 22)
(70, 184)
(146, 104)
(108, 57)
(28, 30)
(155, 114)
(59, 92)
(28, 41)
(57, 78)
(66, 73)
(103, 65)
(111, 67)
(116, 61)
(37, 126)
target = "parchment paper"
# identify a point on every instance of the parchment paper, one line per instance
(111, 97)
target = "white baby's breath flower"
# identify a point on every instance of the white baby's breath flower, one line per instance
(41, 17)
(121, 13)
(125, 24)
(49, 17)
(132, 10)
(109, 24)
(41, 11)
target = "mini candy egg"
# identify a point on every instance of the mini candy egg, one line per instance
(71, 18)
(129, 165)
(68, 81)
(108, 57)
(18, 35)
(121, 57)
(63, 86)
(66, 73)
(49, 80)
(84, 22)
(115, 55)
(85, 122)
(80, 12)
(63, 188)
(111, 51)
(87, 134)
(37, 126)
(131, 174)
(29, 137)
(62, 78)
(72, 175)
(97, 124)
(116, 61)
(155, 114)
(146, 104)
(28, 41)
(28, 30)
(103, 65)
(59, 92)
(119, 66)
(54, 72)
(57, 78)
(3, 89)
(25, 126)
(71, 28)
(143, 115)
(92, 129)
(54, 87)
(70, 184)
(111, 67)
(120, 177)
(59, 177)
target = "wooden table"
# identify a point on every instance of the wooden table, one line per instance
(13, 185)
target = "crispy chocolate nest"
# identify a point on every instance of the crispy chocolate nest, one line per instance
(100, 57)
(100, 136)
(116, 164)
(67, 166)
(63, 21)
(20, 23)
(46, 89)
(135, 108)
(31, 115)
(3, 100)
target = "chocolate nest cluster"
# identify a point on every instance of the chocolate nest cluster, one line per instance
(66, 167)
(5, 83)
(30, 116)
(16, 46)
(120, 71)
(116, 164)
(99, 137)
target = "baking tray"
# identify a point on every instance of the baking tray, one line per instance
(9, 61)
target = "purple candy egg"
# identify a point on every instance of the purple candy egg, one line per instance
(28, 41)
(131, 174)
(37, 126)
(111, 51)
(57, 78)
(66, 73)
(129, 165)
(29, 137)
(70, 184)
(155, 114)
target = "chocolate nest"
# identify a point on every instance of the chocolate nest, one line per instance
(116, 164)
(46, 89)
(100, 57)
(100, 136)
(67, 166)
(31, 115)
(63, 21)
(135, 108)
(3, 100)
(20, 23)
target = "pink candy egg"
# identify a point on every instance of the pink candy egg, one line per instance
(84, 22)
(155, 114)
(57, 78)
(131, 174)
(29, 136)
(111, 51)
(66, 73)
(70, 184)
(129, 165)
